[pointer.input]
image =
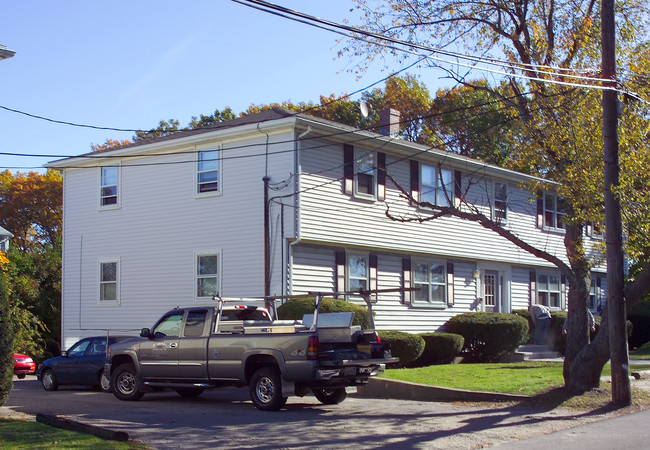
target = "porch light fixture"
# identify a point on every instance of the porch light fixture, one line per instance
(476, 274)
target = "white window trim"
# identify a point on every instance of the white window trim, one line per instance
(118, 203)
(555, 213)
(118, 288)
(358, 194)
(590, 231)
(438, 187)
(195, 275)
(349, 255)
(219, 190)
(494, 201)
(428, 303)
(560, 289)
(597, 292)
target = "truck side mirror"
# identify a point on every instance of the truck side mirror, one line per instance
(145, 332)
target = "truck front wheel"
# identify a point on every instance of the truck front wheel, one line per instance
(330, 396)
(266, 389)
(125, 383)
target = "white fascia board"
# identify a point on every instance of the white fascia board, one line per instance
(222, 135)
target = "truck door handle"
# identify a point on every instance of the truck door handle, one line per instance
(173, 344)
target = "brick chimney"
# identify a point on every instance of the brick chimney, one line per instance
(389, 122)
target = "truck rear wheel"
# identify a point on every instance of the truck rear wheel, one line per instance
(125, 383)
(266, 389)
(330, 396)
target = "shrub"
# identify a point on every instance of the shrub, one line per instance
(295, 308)
(408, 347)
(439, 348)
(489, 336)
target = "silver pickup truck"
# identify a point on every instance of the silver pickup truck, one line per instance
(191, 349)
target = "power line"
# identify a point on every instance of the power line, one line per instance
(324, 24)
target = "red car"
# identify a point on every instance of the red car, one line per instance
(23, 365)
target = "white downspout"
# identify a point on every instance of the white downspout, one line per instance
(297, 169)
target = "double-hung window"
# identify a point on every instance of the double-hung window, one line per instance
(430, 278)
(109, 281)
(554, 211)
(208, 275)
(358, 272)
(596, 295)
(437, 185)
(365, 173)
(500, 203)
(208, 173)
(549, 290)
(109, 187)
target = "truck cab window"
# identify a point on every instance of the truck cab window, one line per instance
(195, 323)
(169, 326)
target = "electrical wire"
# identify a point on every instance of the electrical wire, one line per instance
(309, 20)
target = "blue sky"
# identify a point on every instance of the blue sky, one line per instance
(130, 64)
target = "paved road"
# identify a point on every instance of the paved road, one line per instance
(227, 419)
(625, 432)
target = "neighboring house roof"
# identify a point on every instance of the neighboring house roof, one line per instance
(280, 117)
(5, 234)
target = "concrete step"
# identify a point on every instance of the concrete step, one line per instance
(532, 352)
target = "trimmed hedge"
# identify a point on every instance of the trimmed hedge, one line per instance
(295, 308)
(439, 348)
(489, 337)
(408, 347)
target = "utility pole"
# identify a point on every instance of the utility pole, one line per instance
(621, 393)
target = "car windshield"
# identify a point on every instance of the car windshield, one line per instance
(79, 348)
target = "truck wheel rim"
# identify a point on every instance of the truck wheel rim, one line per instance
(265, 389)
(126, 383)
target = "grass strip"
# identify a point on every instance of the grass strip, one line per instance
(16, 434)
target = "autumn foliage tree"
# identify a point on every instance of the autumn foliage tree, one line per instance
(32, 211)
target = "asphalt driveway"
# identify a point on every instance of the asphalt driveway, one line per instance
(226, 418)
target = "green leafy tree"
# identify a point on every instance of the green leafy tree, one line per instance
(212, 119)
(540, 42)
(32, 210)
(164, 128)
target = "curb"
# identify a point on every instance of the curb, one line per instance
(72, 425)
(401, 390)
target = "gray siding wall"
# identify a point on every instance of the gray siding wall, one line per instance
(328, 215)
(314, 269)
(157, 230)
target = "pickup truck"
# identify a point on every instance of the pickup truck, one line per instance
(191, 349)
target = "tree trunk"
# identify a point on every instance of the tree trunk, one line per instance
(577, 377)
(586, 367)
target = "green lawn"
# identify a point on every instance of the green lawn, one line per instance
(642, 352)
(15, 434)
(526, 378)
